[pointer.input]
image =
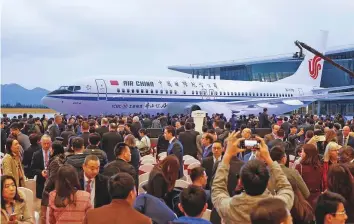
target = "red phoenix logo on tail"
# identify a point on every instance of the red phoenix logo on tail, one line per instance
(315, 67)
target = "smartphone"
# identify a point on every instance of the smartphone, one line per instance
(251, 143)
(13, 217)
(321, 138)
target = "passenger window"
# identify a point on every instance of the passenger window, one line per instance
(71, 88)
(184, 91)
(192, 92)
(128, 90)
(216, 93)
(146, 91)
(152, 91)
(77, 88)
(166, 91)
(220, 93)
(123, 90)
(170, 91)
(132, 90)
(176, 92)
(161, 91)
(118, 90)
(228, 93)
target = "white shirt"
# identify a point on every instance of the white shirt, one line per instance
(219, 159)
(92, 185)
(171, 139)
(252, 156)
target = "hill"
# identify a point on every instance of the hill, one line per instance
(15, 94)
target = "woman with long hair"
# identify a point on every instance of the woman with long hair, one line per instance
(310, 170)
(301, 211)
(67, 202)
(12, 164)
(330, 157)
(13, 205)
(340, 180)
(331, 136)
(56, 160)
(163, 177)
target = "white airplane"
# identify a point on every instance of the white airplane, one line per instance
(131, 94)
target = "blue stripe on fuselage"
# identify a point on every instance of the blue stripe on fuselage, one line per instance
(139, 99)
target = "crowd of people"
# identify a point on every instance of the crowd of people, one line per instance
(264, 169)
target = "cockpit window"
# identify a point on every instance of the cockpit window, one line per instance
(70, 88)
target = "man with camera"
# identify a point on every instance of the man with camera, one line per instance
(254, 179)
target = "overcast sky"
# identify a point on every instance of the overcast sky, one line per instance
(46, 43)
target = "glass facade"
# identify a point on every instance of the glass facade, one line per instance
(273, 70)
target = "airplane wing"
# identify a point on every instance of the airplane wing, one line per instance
(323, 90)
(291, 101)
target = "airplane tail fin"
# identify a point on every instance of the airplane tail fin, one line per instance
(310, 69)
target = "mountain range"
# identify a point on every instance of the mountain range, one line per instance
(15, 94)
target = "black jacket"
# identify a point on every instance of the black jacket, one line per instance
(85, 136)
(27, 160)
(76, 160)
(123, 166)
(65, 135)
(109, 141)
(37, 166)
(189, 142)
(208, 165)
(102, 130)
(102, 196)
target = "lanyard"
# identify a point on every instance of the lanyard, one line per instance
(13, 210)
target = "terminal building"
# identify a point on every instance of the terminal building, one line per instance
(276, 68)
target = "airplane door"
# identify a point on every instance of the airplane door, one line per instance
(212, 94)
(204, 94)
(101, 89)
(301, 92)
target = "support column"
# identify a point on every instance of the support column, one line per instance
(318, 108)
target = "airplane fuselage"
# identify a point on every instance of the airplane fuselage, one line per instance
(122, 94)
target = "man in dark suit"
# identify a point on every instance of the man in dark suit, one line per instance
(67, 134)
(85, 127)
(3, 136)
(180, 128)
(123, 157)
(233, 178)
(110, 140)
(208, 162)
(54, 129)
(272, 136)
(263, 119)
(120, 210)
(217, 128)
(94, 183)
(189, 140)
(207, 142)
(104, 127)
(175, 147)
(344, 137)
(285, 126)
(39, 164)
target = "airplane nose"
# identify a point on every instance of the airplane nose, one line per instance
(44, 101)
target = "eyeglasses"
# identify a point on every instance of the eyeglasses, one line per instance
(340, 213)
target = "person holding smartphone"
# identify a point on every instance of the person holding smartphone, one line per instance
(13, 206)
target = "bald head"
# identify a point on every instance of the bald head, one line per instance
(345, 131)
(275, 129)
